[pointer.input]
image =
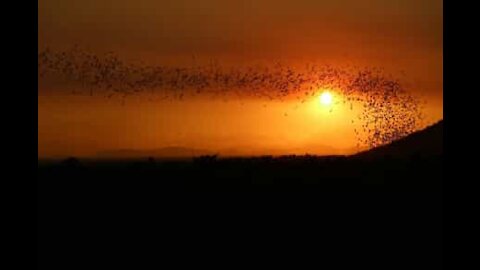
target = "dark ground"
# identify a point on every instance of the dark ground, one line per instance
(368, 209)
(288, 173)
(390, 209)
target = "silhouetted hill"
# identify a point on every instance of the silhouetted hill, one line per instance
(166, 152)
(424, 143)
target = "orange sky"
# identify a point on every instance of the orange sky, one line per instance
(398, 36)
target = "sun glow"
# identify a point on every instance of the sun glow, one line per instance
(326, 98)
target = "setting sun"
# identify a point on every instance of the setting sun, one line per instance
(326, 98)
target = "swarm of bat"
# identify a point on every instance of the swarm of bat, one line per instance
(388, 111)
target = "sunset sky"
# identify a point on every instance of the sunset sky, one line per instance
(402, 37)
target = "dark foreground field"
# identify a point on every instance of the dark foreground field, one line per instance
(288, 173)
(383, 212)
(382, 205)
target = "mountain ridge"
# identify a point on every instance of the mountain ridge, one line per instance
(422, 143)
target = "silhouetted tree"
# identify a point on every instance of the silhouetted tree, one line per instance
(71, 162)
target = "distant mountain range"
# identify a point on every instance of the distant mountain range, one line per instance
(185, 152)
(277, 151)
(170, 152)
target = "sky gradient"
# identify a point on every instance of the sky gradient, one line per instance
(404, 38)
